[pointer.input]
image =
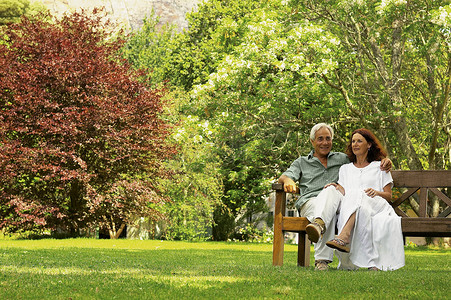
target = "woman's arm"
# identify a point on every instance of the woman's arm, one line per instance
(337, 186)
(386, 194)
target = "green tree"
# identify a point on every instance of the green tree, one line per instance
(257, 98)
(195, 53)
(263, 72)
(195, 187)
(151, 48)
(12, 10)
(394, 73)
(264, 97)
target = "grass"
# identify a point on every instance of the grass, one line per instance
(133, 269)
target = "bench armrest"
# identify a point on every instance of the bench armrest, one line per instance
(278, 187)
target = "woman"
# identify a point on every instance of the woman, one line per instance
(370, 233)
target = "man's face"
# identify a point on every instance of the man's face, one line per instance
(322, 143)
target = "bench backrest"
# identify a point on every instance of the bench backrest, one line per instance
(422, 185)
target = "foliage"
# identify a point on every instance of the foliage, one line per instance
(12, 10)
(191, 56)
(151, 48)
(393, 72)
(195, 186)
(256, 61)
(263, 72)
(82, 139)
(260, 100)
(251, 233)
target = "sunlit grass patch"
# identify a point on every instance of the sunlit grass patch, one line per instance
(128, 269)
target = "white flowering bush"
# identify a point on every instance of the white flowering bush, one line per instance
(442, 16)
(270, 60)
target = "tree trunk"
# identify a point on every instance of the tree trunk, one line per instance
(74, 207)
(116, 234)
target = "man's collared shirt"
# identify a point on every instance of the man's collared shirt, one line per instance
(313, 176)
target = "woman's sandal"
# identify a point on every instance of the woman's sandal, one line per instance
(338, 244)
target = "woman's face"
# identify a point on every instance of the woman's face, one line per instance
(360, 146)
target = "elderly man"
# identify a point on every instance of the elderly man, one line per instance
(320, 206)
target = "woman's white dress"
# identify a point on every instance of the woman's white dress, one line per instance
(376, 240)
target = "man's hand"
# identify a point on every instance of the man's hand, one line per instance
(386, 165)
(289, 186)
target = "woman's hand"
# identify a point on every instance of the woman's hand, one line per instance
(337, 187)
(386, 193)
(371, 192)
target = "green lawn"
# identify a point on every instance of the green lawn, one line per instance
(132, 269)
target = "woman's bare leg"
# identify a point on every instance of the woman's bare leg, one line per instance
(345, 233)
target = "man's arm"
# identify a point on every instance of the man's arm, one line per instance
(289, 185)
(386, 165)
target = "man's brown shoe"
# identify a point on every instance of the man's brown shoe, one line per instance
(314, 231)
(321, 265)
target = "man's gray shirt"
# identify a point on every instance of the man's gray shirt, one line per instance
(313, 176)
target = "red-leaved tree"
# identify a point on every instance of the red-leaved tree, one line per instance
(81, 139)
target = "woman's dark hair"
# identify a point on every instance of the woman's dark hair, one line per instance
(376, 152)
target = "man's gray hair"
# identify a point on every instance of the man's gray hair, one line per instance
(318, 127)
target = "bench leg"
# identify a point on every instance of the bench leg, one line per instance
(277, 246)
(303, 250)
(278, 243)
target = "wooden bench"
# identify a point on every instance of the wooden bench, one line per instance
(419, 184)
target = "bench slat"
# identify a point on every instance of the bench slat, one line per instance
(295, 224)
(423, 178)
(404, 196)
(445, 213)
(436, 227)
(400, 213)
(430, 227)
(442, 196)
